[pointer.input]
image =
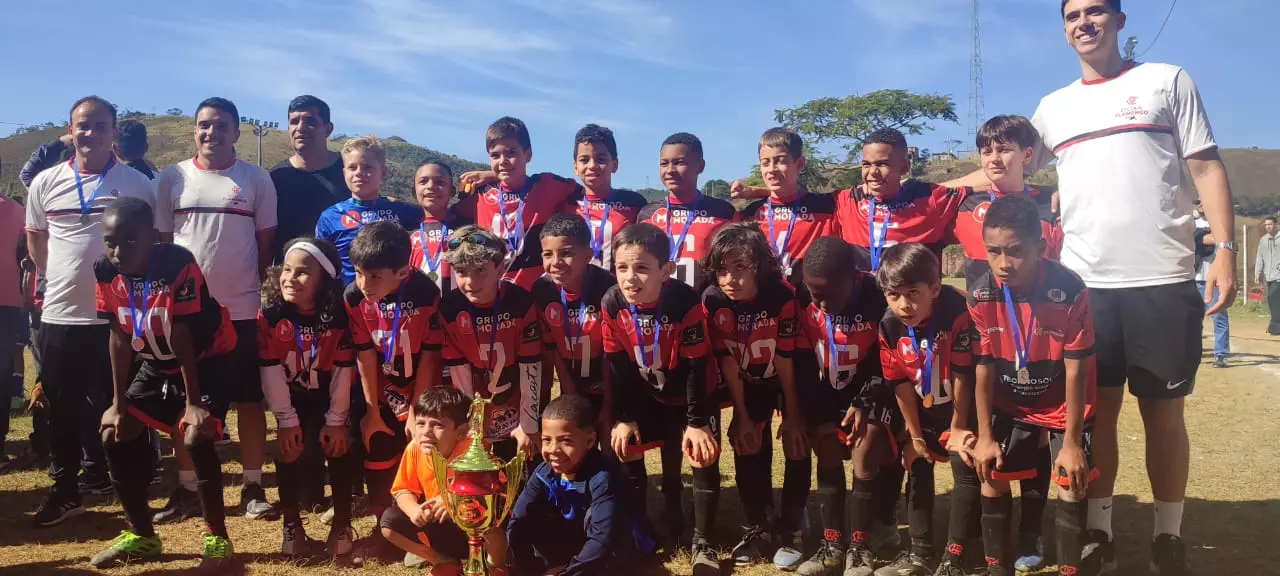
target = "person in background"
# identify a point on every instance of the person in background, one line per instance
(1267, 268)
(12, 217)
(310, 180)
(131, 146)
(1205, 251)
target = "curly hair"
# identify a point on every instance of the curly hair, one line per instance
(743, 236)
(328, 294)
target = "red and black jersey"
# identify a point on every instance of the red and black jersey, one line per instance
(304, 343)
(178, 293)
(575, 332)
(755, 332)
(814, 216)
(1057, 313)
(967, 228)
(606, 217)
(708, 215)
(851, 363)
(921, 212)
(374, 326)
(525, 210)
(672, 369)
(429, 242)
(496, 351)
(947, 335)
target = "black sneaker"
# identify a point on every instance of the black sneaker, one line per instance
(1169, 556)
(1098, 553)
(55, 509)
(906, 564)
(254, 501)
(182, 504)
(95, 485)
(754, 547)
(296, 544)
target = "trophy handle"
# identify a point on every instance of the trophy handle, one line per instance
(440, 466)
(514, 469)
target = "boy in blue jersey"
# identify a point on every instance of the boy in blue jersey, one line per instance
(364, 166)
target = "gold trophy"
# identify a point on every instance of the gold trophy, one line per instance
(479, 490)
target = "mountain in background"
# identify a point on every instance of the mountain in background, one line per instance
(170, 138)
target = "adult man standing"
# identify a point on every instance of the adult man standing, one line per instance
(310, 180)
(224, 211)
(1206, 251)
(64, 234)
(1267, 269)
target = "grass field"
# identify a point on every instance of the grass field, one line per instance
(1233, 498)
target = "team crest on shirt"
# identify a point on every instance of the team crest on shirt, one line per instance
(119, 289)
(464, 323)
(907, 349)
(186, 292)
(982, 295)
(724, 320)
(1132, 109)
(351, 219)
(1057, 296)
(555, 315)
(284, 329)
(980, 213)
(624, 318)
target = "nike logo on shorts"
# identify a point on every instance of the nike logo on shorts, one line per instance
(1175, 385)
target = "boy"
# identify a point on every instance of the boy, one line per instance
(419, 523)
(161, 311)
(688, 217)
(849, 410)
(516, 205)
(925, 353)
(655, 336)
(492, 341)
(364, 166)
(607, 211)
(433, 187)
(392, 309)
(572, 516)
(1034, 373)
(569, 297)
(1007, 144)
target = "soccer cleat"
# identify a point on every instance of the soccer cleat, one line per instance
(1030, 553)
(296, 542)
(412, 560)
(705, 561)
(859, 561)
(790, 553)
(127, 547)
(1169, 556)
(1097, 554)
(827, 561)
(254, 500)
(95, 485)
(753, 547)
(906, 564)
(950, 566)
(55, 509)
(341, 541)
(217, 557)
(182, 504)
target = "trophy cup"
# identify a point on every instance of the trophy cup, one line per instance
(478, 489)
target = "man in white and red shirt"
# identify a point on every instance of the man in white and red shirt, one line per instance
(1120, 134)
(64, 235)
(224, 211)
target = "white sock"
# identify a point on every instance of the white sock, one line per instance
(187, 478)
(1168, 518)
(1099, 517)
(253, 477)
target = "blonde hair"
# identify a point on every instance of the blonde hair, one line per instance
(480, 247)
(367, 144)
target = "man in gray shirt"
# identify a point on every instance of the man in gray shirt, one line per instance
(1267, 269)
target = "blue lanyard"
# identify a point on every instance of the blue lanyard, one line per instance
(781, 249)
(389, 349)
(434, 262)
(315, 337)
(492, 361)
(657, 328)
(877, 244)
(582, 315)
(1021, 341)
(831, 330)
(926, 371)
(137, 313)
(517, 242)
(991, 193)
(597, 233)
(690, 213)
(85, 205)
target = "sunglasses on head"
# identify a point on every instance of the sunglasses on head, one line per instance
(474, 238)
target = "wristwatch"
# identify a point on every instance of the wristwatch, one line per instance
(1229, 245)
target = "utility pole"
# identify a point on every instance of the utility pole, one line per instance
(1130, 46)
(976, 114)
(260, 129)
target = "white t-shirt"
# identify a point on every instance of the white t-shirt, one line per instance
(53, 206)
(1120, 142)
(216, 214)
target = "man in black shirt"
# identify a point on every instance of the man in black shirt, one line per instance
(311, 179)
(131, 146)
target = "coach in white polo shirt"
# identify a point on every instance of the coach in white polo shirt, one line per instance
(64, 233)
(224, 211)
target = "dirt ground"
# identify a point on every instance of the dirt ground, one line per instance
(1232, 504)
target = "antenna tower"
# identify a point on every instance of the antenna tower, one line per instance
(976, 115)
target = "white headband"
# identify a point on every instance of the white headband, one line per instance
(315, 252)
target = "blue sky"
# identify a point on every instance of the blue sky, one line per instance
(436, 73)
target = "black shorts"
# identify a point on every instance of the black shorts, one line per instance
(935, 425)
(243, 384)
(1020, 445)
(824, 405)
(385, 451)
(1149, 336)
(158, 399)
(444, 537)
(662, 423)
(74, 359)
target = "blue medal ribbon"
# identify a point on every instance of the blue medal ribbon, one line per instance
(852, 307)
(86, 205)
(433, 263)
(139, 314)
(597, 233)
(781, 249)
(1021, 341)
(568, 322)
(657, 329)
(690, 213)
(926, 369)
(492, 361)
(389, 349)
(877, 244)
(315, 338)
(517, 242)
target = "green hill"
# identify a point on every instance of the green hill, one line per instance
(171, 141)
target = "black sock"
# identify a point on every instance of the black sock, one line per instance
(1035, 493)
(753, 480)
(995, 529)
(966, 508)
(131, 464)
(289, 477)
(340, 479)
(887, 488)
(920, 507)
(831, 497)
(796, 483)
(1067, 522)
(639, 487)
(672, 488)
(209, 485)
(861, 507)
(706, 502)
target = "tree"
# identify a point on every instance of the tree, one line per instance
(716, 188)
(652, 194)
(174, 112)
(847, 121)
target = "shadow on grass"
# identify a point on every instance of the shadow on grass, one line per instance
(1248, 359)
(80, 567)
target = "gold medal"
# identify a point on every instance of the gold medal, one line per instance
(137, 344)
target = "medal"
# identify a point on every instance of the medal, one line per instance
(641, 357)
(139, 314)
(514, 241)
(433, 276)
(85, 205)
(137, 344)
(570, 327)
(1021, 340)
(925, 374)
(833, 372)
(690, 214)
(597, 234)
(877, 243)
(433, 263)
(389, 349)
(388, 368)
(780, 250)
(84, 219)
